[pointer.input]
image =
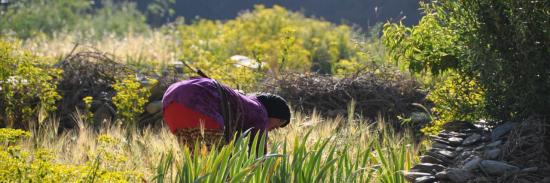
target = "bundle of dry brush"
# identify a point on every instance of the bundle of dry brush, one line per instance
(385, 95)
(93, 73)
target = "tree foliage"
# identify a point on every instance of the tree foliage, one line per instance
(29, 18)
(502, 45)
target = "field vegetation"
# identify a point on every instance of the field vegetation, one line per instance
(459, 53)
(312, 148)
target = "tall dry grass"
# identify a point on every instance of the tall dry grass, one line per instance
(382, 153)
(154, 47)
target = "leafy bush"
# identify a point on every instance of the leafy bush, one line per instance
(502, 45)
(27, 87)
(21, 165)
(8, 135)
(456, 98)
(278, 40)
(426, 47)
(130, 99)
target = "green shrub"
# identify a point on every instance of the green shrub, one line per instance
(8, 135)
(39, 165)
(27, 87)
(456, 98)
(502, 45)
(426, 47)
(130, 99)
(280, 40)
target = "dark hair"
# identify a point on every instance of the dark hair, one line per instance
(276, 106)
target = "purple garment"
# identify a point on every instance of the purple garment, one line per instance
(201, 94)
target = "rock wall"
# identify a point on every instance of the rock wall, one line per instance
(511, 152)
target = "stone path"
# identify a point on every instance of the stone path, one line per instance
(466, 153)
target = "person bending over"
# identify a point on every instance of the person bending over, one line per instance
(204, 111)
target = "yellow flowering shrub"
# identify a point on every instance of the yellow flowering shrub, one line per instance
(27, 86)
(130, 99)
(87, 106)
(276, 39)
(456, 98)
(17, 164)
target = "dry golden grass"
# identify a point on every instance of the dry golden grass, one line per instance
(142, 151)
(154, 47)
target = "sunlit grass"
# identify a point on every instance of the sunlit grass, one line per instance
(154, 48)
(310, 149)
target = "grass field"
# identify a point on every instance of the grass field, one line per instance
(310, 149)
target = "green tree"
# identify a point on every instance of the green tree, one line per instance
(502, 45)
(27, 18)
(159, 11)
(118, 17)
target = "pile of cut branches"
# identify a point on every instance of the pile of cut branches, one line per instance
(93, 73)
(375, 95)
(88, 73)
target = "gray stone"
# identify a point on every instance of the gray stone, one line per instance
(530, 169)
(443, 175)
(153, 107)
(472, 139)
(468, 130)
(482, 124)
(411, 176)
(472, 164)
(445, 134)
(458, 134)
(431, 159)
(492, 153)
(459, 149)
(545, 180)
(428, 167)
(480, 147)
(494, 144)
(425, 179)
(502, 130)
(459, 175)
(485, 138)
(497, 167)
(443, 146)
(456, 125)
(446, 153)
(465, 154)
(435, 137)
(439, 156)
(441, 141)
(455, 141)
